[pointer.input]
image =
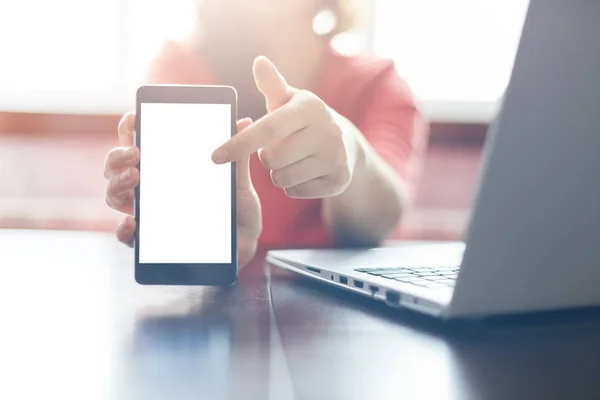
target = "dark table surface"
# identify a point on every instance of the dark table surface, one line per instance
(75, 325)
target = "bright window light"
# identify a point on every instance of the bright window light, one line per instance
(456, 55)
(79, 56)
(88, 56)
(150, 24)
(58, 45)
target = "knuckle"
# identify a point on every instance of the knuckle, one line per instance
(294, 192)
(135, 177)
(109, 201)
(335, 132)
(119, 158)
(279, 178)
(298, 110)
(127, 198)
(340, 160)
(109, 163)
(124, 236)
(345, 176)
(270, 127)
(312, 104)
(111, 188)
(267, 159)
(114, 199)
(302, 113)
(115, 158)
(341, 178)
(308, 96)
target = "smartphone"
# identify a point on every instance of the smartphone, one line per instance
(185, 205)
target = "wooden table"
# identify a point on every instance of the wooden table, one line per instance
(75, 325)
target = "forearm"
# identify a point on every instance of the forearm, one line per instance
(371, 207)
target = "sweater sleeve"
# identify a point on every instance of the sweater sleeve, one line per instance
(394, 126)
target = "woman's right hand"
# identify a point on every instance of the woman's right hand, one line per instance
(120, 169)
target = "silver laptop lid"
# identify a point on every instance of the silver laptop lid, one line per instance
(534, 239)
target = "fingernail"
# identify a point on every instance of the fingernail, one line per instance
(125, 176)
(128, 153)
(219, 156)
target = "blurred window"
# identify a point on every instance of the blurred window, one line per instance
(88, 56)
(456, 55)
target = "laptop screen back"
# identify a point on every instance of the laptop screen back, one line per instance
(534, 239)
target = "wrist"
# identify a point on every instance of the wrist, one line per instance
(246, 251)
(361, 160)
(362, 154)
(355, 143)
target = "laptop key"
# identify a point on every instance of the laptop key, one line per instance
(423, 272)
(448, 282)
(409, 280)
(434, 285)
(388, 271)
(418, 283)
(367, 270)
(450, 276)
(373, 269)
(436, 278)
(396, 276)
(376, 273)
(421, 269)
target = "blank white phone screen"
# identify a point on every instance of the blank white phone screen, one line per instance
(185, 199)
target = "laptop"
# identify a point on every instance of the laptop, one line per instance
(533, 241)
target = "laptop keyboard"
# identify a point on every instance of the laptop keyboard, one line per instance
(429, 277)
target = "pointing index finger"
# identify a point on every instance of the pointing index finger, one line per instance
(266, 131)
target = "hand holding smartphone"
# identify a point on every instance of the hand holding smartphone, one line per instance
(185, 205)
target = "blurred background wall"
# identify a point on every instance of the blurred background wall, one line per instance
(69, 68)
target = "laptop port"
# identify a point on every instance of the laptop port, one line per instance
(373, 289)
(358, 284)
(315, 270)
(343, 280)
(392, 297)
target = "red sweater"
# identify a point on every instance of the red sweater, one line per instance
(364, 89)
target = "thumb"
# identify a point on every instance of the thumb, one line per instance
(271, 83)
(244, 181)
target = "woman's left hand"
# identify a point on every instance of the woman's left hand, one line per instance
(310, 149)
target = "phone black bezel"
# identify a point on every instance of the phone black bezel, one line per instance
(187, 274)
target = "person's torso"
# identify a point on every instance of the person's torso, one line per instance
(287, 222)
